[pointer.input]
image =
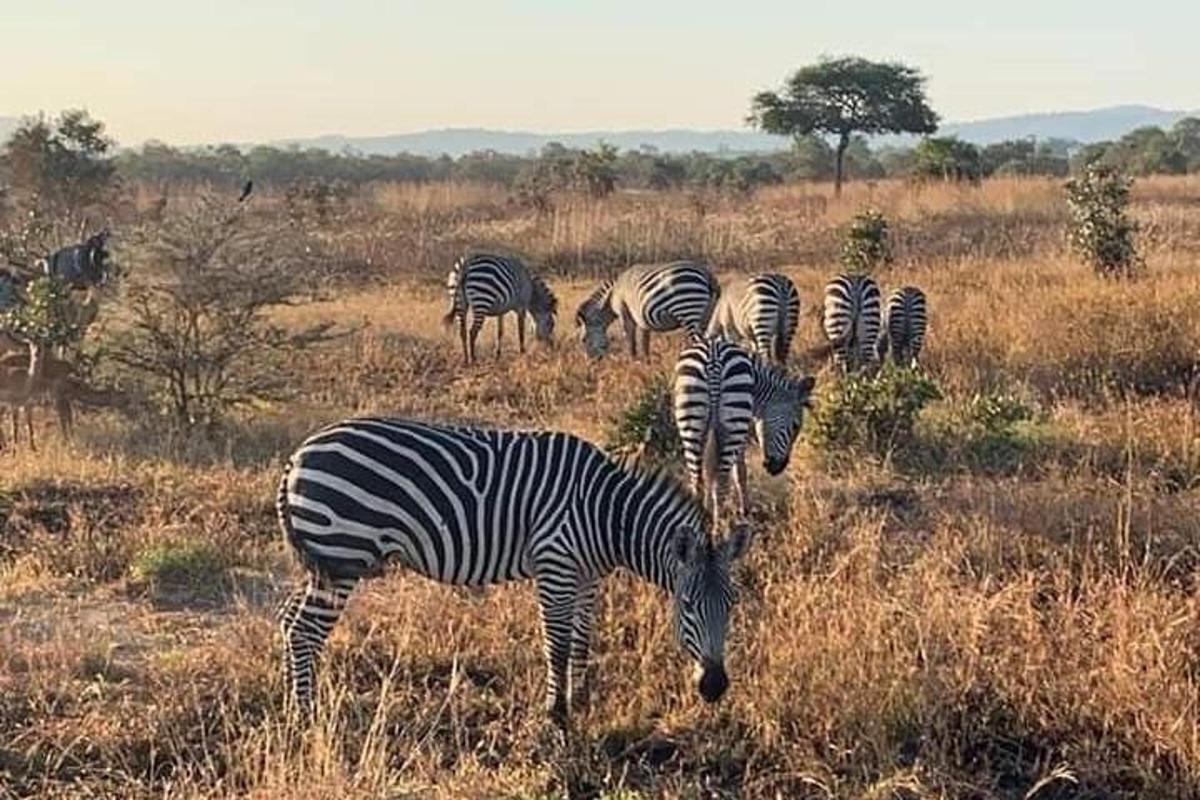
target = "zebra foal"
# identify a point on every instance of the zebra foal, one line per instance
(484, 285)
(648, 297)
(762, 309)
(720, 392)
(850, 320)
(904, 332)
(474, 506)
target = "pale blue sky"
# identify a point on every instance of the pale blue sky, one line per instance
(224, 70)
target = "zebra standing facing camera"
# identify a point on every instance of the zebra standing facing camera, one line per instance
(648, 297)
(762, 309)
(904, 332)
(851, 321)
(472, 506)
(484, 285)
(720, 391)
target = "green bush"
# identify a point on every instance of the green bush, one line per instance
(1101, 232)
(180, 564)
(872, 413)
(868, 242)
(646, 427)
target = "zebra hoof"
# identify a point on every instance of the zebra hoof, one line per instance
(556, 710)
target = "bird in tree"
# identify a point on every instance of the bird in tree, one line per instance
(844, 96)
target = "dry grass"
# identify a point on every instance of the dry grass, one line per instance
(956, 624)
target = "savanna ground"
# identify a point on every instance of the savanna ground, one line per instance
(994, 610)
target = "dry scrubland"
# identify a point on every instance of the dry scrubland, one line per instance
(974, 618)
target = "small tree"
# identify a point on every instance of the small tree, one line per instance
(1101, 231)
(947, 158)
(844, 96)
(62, 165)
(202, 285)
(45, 315)
(868, 242)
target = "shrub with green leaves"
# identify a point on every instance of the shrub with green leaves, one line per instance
(1101, 232)
(868, 242)
(180, 564)
(46, 316)
(876, 414)
(646, 427)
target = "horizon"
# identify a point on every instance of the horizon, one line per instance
(262, 72)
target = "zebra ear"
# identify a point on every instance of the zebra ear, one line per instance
(686, 545)
(738, 542)
(806, 385)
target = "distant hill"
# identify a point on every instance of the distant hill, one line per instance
(1080, 126)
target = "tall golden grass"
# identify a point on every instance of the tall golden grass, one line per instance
(929, 631)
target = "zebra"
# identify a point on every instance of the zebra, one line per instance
(850, 320)
(485, 285)
(648, 297)
(80, 266)
(904, 332)
(475, 506)
(720, 390)
(764, 309)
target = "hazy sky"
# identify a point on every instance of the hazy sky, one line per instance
(220, 70)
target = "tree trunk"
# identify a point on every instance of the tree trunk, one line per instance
(843, 143)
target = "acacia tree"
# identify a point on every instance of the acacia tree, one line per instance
(844, 96)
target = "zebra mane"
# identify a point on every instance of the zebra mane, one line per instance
(660, 477)
(543, 299)
(776, 376)
(594, 300)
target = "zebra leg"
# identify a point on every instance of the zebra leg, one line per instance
(557, 603)
(462, 336)
(476, 327)
(630, 333)
(646, 343)
(581, 643)
(499, 333)
(521, 331)
(739, 483)
(29, 427)
(306, 618)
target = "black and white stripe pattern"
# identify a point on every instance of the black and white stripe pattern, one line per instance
(763, 310)
(484, 285)
(851, 320)
(648, 297)
(472, 506)
(720, 392)
(904, 333)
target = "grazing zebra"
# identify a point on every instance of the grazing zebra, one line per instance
(485, 285)
(904, 332)
(851, 321)
(720, 389)
(470, 506)
(764, 309)
(648, 297)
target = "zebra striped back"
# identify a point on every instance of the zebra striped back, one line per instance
(906, 324)
(485, 285)
(474, 506)
(764, 309)
(851, 320)
(653, 297)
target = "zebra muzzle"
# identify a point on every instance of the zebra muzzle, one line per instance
(713, 682)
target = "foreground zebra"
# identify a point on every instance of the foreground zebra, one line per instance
(471, 506)
(904, 333)
(648, 297)
(720, 389)
(851, 321)
(763, 309)
(483, 285)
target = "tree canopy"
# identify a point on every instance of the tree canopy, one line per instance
(844, 96)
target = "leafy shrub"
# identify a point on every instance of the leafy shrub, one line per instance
(868, 242)
(872, 413)
(645, 429)
(1101, 231)
(997, 412)
(187, 563)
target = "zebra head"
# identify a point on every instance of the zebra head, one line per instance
(593, 318)
(543, 306)
(780, 419)
(704, 598)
